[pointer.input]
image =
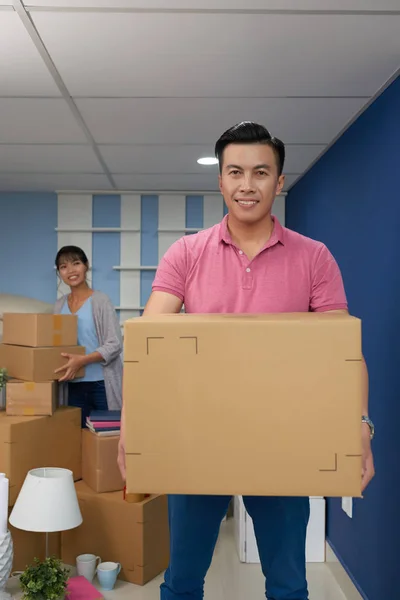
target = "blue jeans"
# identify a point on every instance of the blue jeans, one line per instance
(280, 526)
(88, 396)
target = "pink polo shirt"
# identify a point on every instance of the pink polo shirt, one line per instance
(292, 273)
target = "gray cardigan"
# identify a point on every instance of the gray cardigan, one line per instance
(110, 339)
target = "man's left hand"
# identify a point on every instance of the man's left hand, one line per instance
(368, 469)
(72, 366)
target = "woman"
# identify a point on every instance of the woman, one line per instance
(98, 331)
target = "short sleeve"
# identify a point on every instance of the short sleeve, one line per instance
(327, 291)
(171, 272)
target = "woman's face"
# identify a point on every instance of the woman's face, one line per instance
(72, 272)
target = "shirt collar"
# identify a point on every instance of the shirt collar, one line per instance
(278, 233)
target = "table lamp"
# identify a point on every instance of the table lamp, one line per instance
(6, 543)
(47, 503)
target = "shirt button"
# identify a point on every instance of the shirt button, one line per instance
(248, 270)
(240, 251)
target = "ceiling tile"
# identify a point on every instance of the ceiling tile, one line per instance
(221, 4)
(48, 158)
(44, 182)
(181, 182)
(143, 159)
(38, 121)
(22, 70)
(203, 120)
(194, 54)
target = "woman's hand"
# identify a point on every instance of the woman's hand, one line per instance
(121, 457)
(72, 366)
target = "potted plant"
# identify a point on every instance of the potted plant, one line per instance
(3, 381)
(45, 580)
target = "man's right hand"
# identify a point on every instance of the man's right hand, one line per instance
(121, 456)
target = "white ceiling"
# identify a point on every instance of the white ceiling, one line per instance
(127, 94)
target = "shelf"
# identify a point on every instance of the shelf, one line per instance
(137, 268)
(96, 230)
(129, 307)
(181, 230)
(123, 230)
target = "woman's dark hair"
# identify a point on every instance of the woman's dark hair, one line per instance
(248, 132)
(71, 253)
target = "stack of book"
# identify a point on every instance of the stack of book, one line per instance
(104, 422)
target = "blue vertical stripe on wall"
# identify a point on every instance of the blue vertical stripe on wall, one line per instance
(28, 244)
(106, 250)
(148, 244)
(225, 209)
(350, 201)
(194, 212)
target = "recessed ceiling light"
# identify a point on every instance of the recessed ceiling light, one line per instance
(207, 160)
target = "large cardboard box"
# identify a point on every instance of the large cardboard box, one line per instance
(37, 364)
(28, 329)
(244, 404)
(31, 442)
(99, 462)
(28, 398)
(135, 535)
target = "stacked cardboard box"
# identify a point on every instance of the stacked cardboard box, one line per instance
(31, 352)
(99, 462)
(134, 534)
(31, 442)
(33, 432)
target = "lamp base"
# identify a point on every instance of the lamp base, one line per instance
(6, 561)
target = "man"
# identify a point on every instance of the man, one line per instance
(247, 263)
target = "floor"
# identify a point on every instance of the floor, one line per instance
(228, 579)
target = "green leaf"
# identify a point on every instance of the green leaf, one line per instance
(46, 580)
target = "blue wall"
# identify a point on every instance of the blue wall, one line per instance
(351, 201)
(106, 246)
(28, 244)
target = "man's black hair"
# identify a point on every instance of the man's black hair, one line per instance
(248, 132)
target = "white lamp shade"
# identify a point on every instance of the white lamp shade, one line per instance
(47, 502)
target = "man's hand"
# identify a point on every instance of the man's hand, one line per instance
(121, 457)
(72, 366)
(368, 469)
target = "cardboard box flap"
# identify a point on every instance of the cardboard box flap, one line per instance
(337, 335)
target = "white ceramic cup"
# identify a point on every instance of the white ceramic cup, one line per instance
(86, 565)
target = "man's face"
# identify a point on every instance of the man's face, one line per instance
(249, 181)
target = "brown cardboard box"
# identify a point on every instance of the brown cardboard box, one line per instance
(37, 364)
(31, 442)
(99, 462)
(36, 330)
(245, 404)
(29, 545)
(135, 535)
(28, 398)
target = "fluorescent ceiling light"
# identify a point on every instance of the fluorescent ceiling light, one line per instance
(207, 160)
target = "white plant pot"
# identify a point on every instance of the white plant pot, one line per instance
(6, 561)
